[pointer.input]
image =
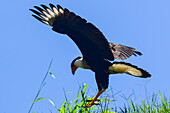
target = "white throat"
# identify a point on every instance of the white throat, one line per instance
(81, 63)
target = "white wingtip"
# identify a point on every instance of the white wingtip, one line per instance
(61, 11)
(48, 15)
(50, 12)
(54, 9)
(45, 22)
(44, 17)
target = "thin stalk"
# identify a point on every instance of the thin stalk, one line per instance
(41, 86)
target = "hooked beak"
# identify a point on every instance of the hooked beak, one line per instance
(73, 69)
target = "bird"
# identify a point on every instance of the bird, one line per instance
(95, 48)
(115, 68)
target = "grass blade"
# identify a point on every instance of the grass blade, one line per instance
(41, 86)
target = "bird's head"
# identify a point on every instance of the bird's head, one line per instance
(78, 62)
(75, 64)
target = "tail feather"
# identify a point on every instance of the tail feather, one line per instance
(123, 52)
(137, 52)
(122, 67)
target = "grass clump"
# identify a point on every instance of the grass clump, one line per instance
(79, 104)
(150, 105)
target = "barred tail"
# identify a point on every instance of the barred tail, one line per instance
(122, 67)
(123, 52)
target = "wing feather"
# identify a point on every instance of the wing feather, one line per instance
(40, 19)
(66, 22)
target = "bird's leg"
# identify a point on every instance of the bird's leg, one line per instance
(92, 100)
(95, 98)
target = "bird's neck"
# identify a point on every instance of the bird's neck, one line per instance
(82, 64)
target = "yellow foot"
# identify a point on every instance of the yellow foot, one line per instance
(91, 104)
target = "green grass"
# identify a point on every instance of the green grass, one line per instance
(78, 105)
(151, 104)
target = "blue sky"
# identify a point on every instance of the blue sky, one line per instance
(27, 47)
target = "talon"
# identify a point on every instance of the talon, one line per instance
(91, 104)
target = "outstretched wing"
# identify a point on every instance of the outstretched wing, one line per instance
(123, 52)
(88, 38)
